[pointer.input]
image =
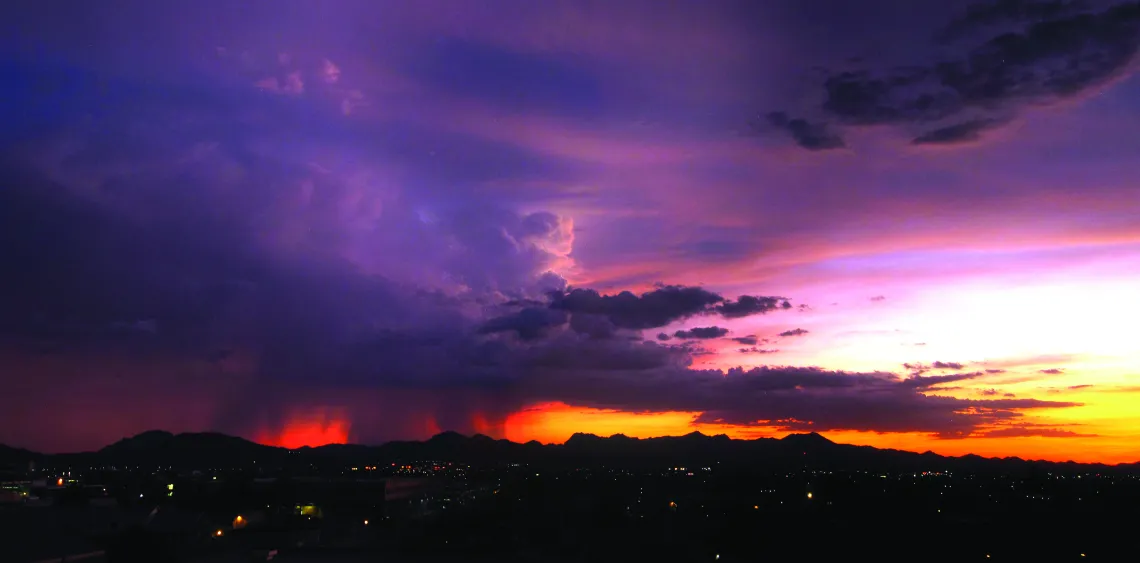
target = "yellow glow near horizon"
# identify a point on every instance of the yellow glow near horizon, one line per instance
(555, 422)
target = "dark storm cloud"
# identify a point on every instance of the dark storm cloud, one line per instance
(662, 306)
(794, 332)
(755, 350)
(596, 326)
(188, 274)
(921, 382)
(701, 332)
(332, 328)
(663, 337)
(750, 340)
(811, 136)
(644, 376)
(916, 368)
(790, 398)
(187, 229)
(73, 266)
(919, 368)
(981, 15)
(815, 403)
(1052, 371)
(947, 365)
(748, 305)
(1007, 55)
(652, 309)
(529, 324)
(694, 349)
(293, 256)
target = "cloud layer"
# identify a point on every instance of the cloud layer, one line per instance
(395, 219)
(998, 58)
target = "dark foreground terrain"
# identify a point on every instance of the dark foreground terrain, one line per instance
(453, 498)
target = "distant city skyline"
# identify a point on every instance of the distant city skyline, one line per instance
(899, 224)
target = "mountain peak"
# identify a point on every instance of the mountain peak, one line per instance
(582, 438)
(809, 439)
(448, 436)
(148, 439)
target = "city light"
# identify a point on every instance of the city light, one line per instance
(809, 495)
(365, 522)
(218, 534)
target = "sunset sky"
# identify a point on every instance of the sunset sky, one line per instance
(909, 224)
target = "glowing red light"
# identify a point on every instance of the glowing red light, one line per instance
(313, 428)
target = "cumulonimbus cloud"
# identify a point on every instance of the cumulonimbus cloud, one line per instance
(248, 265)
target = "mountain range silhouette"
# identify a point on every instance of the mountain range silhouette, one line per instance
(211, 449)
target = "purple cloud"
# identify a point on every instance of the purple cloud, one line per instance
(756, 350)
(988, 70)
(652, 309)
(703, 333)
(748, 305)
(793, 332)
(263, 211)
(662, 306)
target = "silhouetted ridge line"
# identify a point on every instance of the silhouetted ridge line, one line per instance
(212, 449)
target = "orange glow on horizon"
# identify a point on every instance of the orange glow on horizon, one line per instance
(318, 427)
(556, 422)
